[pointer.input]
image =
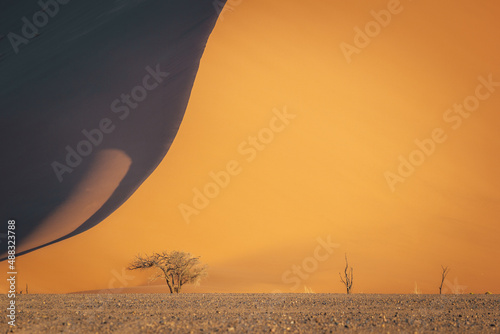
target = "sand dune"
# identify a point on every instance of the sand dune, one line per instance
(96, 77)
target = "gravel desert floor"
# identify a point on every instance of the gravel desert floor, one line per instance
(254, 313)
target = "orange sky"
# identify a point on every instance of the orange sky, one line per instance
(322, 174)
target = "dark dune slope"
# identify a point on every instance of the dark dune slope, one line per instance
(93, 65)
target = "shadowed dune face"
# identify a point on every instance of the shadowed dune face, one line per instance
(90, 105)
(104, 176)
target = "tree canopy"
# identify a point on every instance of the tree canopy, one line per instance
(176, 267)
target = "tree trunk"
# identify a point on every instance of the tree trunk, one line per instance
(174, 285)
(169, 286)
(179, 283)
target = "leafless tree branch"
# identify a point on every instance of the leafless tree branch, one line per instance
(444, 272)
(348, 276)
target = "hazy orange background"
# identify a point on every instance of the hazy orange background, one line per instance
(324, 174)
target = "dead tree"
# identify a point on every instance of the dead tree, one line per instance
(176, 268)
(348, 275)
(443, 277)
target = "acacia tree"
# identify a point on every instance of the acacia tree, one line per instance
(348, 275)
(176, 268)
(444, 272)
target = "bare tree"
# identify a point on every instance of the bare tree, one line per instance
(176, 268)
(348, 275)
(443, 277)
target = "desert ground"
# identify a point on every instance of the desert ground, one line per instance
(253, 313)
